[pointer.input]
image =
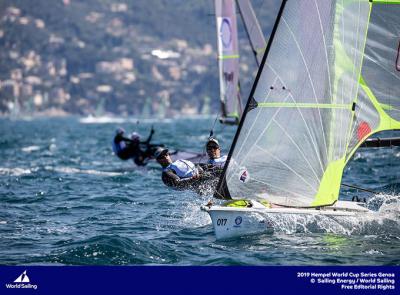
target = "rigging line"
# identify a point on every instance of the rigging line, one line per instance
(287, 166)
(258, 138)
(266, 97)
(314, 144)
(325, 47)
(298, 148)
(358, 78)
(290, 95)
(360, 188)
(251, 28)
(213, 126)
(341, 38)
(255, 27)
(359, 86)
(301, 114)
(255, 119)
(280, 188)
(311, 81)
(379, 65)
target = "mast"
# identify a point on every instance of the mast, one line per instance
(253, 29)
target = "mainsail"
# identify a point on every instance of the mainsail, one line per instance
(253, 29)
(228, 59)
(329, 79)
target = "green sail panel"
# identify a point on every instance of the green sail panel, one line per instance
(381, 68)
(378, 103)
(292, 144)
(366, 121)
(228, 58)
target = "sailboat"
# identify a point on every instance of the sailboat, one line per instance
(228, 53)
(228, 61)
(328, 80)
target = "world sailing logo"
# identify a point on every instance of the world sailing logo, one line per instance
(23, 278)
(238, 220)
(23, 282)
(244, 176)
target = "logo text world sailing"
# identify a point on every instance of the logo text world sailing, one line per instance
(22, 282)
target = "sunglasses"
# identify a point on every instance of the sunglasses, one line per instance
(212, 147)
(163, 156)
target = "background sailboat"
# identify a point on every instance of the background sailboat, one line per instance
(228, 53)
(228, 61)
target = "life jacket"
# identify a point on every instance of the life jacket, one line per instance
(118, 147)
(182, 168)
(218, 161)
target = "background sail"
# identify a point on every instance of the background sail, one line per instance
(378, 105)
(253, 29)
(228, 58)
(293, 139)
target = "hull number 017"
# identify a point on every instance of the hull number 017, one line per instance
(221, 221)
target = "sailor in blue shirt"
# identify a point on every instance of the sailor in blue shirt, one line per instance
(120, 145)
(126, 148)
(214, 153)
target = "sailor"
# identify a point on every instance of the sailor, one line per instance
(178, 174)
(141, 151)
(119, 144)
(214, 153)
(126, 148)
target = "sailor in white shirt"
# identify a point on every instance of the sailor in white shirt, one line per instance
(214, 153)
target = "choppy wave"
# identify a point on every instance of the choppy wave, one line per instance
(105, 120)
(106, 249)
(119, 120)
(14, 171)
(71, 170)
(30, 149)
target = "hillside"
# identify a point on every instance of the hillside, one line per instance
(148, 57)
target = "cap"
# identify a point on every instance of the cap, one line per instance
(135, 136)
(212, 142)
(160, 151)
(120, 131)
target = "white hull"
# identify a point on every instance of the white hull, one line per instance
(231, 222)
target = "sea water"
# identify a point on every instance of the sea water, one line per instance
(66, 199)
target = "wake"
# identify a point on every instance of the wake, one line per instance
(385, 220)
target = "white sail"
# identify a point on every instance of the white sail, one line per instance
(317, 96)
(253, 29)
(228, 58)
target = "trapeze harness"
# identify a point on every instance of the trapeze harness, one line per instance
(218, 161)
(182, 168)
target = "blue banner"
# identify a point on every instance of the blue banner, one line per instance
(192, 279)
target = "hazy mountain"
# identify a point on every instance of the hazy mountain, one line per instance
(129, 57)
